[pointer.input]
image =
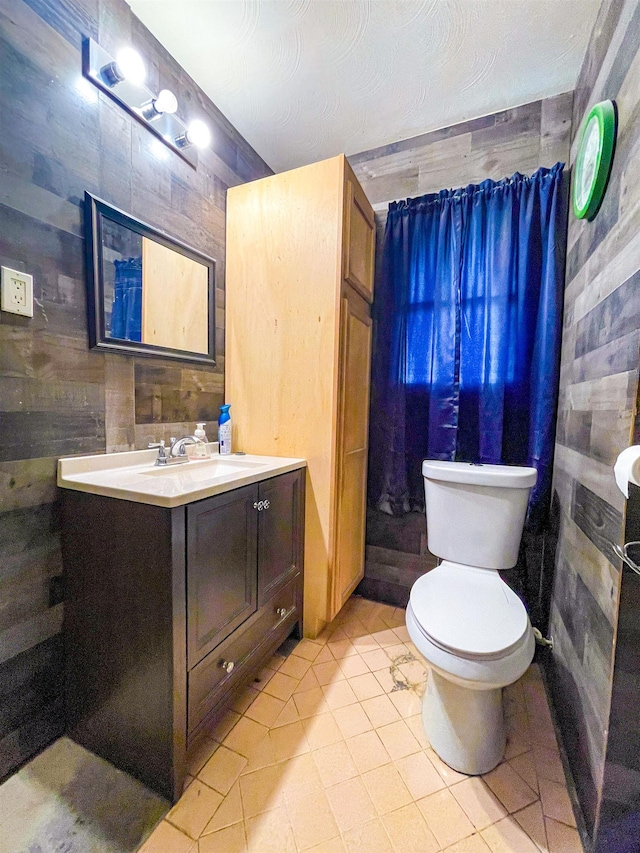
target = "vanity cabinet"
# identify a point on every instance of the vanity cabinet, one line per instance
(169, 610)
(299, 286)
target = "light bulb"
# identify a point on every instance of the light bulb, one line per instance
(166, 102)
(198, 134)
(130, 67)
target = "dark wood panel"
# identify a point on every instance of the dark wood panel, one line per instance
(176, 394)
(595, 56)
(70, 19)
(210, 683)
(221, 568)
(118, 623)
(614, 317)
(279, 532)
(597, 519)
(424, 139)
(618, 356)
(568, 703)
(36, 434)
(31, 712)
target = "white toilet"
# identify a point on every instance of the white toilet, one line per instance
(469, 625)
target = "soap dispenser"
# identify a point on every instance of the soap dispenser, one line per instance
(224, 430)
(201, 451)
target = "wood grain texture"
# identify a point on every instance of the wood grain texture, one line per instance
(520, 139)
(56, 397)
(280, 371)
(598, 390)
(174, 299)
(283, 321)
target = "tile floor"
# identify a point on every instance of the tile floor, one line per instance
(326, 753)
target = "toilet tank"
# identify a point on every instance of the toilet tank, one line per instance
(475, 512)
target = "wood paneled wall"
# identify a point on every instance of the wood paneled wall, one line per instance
(597, 404)
(60, 137)
(517, 140)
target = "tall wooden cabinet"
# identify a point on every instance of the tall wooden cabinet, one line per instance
(299, 279)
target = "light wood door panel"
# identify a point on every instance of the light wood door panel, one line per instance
(352, 448)
(359, 239)
(351, 527)
(296, 243)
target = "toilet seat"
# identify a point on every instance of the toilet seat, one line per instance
(468, 612)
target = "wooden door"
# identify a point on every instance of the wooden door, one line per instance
(221, 568)
(355, 353)
(279, 532)
(359, 237)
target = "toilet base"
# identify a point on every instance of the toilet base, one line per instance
(465, 727)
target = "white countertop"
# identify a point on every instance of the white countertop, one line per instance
(133, 475)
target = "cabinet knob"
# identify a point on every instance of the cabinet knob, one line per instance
(227, 665)
(281, 611)
(260, 505)
(266, 504)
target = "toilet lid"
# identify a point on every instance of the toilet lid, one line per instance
(468, 611)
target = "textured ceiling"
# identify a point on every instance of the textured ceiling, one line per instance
(307, 79)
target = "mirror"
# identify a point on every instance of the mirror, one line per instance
(148, 294)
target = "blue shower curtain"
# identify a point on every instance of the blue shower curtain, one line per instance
(467, 325)
(126, 311)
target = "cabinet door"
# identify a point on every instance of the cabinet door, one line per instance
(355, 353)
(279, 532)
(221, 568)
(359, 236)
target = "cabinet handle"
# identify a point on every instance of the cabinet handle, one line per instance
(281, 612)
(227, 665)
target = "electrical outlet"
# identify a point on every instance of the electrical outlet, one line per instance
(16, 295)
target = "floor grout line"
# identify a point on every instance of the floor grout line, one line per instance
(523, 701)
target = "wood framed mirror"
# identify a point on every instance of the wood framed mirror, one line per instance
(147, 293)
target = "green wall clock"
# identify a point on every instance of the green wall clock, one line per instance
(595, 156)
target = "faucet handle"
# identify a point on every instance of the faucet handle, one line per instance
(160, 447)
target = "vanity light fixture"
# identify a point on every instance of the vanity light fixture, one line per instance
(166, 102)
(122, 78)
(197, 134)
(127, 65)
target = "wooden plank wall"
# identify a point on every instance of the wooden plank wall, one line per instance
(598, 388)
(61, 137)
(520, 139)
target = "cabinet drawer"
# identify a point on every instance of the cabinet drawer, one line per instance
(210, 681)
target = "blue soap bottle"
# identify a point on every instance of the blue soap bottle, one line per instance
(224, 430)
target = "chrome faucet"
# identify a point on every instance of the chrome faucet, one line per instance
(162, 458)
(178, 446)
(176, 453)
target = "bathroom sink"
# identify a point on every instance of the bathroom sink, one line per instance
(133, 476)
(203, 469)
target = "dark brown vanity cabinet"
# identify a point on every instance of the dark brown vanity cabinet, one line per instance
(169, 611)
